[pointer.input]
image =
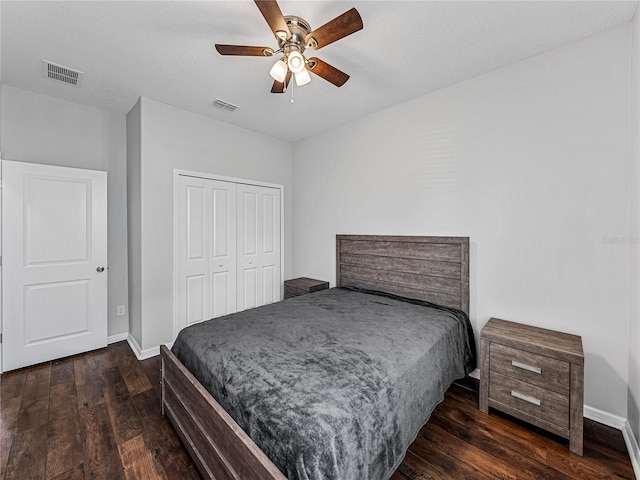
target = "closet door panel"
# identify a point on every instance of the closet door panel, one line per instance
(193, 207)
(270, 254)
(269, 285)
(206, 249)
(223, 248)
(249, 291)
(196, 298)
(249, 284)
(196, 223)
(259, 246)
(249, 218)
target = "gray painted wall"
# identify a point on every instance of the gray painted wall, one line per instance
(633, 396)
(40, 129)
(172, 138)
(531, 161)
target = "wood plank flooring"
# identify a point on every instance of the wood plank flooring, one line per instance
(97, 416)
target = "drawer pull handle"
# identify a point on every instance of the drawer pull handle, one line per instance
(528, 368)
(526, 398)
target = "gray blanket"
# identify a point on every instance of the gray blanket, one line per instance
(332, 385)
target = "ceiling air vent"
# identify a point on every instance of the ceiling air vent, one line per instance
(61, 74)
(229, 107)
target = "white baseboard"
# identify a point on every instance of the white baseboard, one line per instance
(621, 424)
(606, 418)
(632, 447)
(118, 337)
(144, 354)
(140, 353)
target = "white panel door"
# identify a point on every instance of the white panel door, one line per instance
(206, 249)
(258, 246)
(54, 243)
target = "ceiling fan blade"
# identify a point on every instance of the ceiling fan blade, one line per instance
(244, 50)
(273, 15)
(279, 87)
(326, 71)
(346, 24)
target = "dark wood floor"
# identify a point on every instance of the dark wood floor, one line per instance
(97, 416)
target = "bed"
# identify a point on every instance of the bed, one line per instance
(317, 394)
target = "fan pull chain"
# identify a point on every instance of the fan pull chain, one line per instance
(291, 83)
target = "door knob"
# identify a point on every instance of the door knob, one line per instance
(100, 269)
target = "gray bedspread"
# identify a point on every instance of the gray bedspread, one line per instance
(332, 385)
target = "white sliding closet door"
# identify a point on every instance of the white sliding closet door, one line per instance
(228, 248)
(258, 246)
(206, 249)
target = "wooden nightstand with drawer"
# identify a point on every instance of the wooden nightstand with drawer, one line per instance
(302, 286)
(534, 374)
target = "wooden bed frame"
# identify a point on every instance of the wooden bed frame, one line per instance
(435, 269)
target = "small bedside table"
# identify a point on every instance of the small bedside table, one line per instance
(534, 374)
(302, 286)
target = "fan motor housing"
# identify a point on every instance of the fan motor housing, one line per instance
(299, 29)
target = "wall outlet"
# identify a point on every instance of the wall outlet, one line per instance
(122, 309)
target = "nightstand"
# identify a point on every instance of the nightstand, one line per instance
(302, 286)
(534, 374)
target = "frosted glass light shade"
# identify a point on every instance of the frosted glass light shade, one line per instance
(302, 78)
(296, 62)
(279, 71)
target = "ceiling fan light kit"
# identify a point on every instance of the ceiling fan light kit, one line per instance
(294, 36)
(279, 71)
(295, 62)
(302, 78)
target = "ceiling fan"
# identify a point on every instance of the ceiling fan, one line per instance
(294, 36)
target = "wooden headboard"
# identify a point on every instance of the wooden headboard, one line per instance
(435, 269)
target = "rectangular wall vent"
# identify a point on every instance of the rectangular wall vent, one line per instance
(61, 74)
(229, 107)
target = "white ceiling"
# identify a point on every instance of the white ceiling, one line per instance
(164, 50)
